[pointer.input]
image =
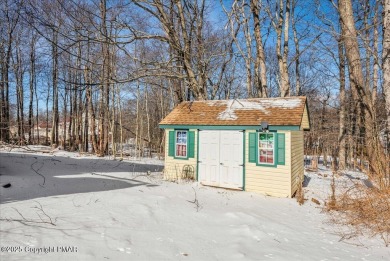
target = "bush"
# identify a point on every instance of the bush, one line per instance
(364, 210)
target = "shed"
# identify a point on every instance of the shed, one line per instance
(246, 144)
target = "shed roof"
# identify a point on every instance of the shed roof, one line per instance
(287, 111)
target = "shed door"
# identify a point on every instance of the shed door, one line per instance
(209, 157)
(221, 158)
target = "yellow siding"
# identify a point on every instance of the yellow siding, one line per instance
(297, 164)
(173, 169)
(305, 120)
(280, 181)
(269, 180)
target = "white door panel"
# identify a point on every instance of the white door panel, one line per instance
(231, 158)
(221, 158)
(209, 157)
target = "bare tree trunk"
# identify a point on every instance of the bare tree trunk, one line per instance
(105, 83)
(298, 90)
(11, 21)
(70, 126)
(260, 67)
(120, 119)
(76, 106)
(148, 120)
(137, 132)
(6, 85)
(376, 53)
(91, 112)
(19, 73)
(47, 117)
(285, 77)
(2, 91)
(342, 118)
(386, 64)
(55, 122)
(63, 141)
(366, 42)
(283, 28)
(37, 110)
(32, 88)
(248, 59)
(86, 128)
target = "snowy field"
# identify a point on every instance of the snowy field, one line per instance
(76, 207)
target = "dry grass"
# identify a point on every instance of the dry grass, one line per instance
(365, 210)
(300, 194)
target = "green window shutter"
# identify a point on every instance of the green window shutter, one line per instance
(191, 144)
(252, 147)
(281, 148)
(171, 142)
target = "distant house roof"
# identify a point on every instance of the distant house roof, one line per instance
(289, 111)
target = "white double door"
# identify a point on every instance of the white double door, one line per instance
(221, 158)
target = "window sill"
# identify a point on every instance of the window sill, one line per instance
(180, 158)
(267, 165)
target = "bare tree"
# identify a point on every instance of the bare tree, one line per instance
(32, 76)
(55, 122)
(342, 118)
(297, 49)
(19, 70)
(280, 22)
(245, 24)
(190, 15)
(10, 19)
(386, 62)
(259, 67)
(375, 152)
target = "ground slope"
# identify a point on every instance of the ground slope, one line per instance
(111, 210)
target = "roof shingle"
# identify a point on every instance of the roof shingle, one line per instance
(275, 111)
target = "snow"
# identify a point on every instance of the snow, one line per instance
(124, 210)
(262, 105)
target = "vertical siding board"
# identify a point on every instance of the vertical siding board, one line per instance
(297, 166)
(305, 124)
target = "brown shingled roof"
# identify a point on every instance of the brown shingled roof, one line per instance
(275, 111)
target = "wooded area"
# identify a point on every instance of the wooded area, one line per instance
(92, 75)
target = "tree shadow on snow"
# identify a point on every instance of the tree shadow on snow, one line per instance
(34, 176)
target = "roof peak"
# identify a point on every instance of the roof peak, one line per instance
(239, 99)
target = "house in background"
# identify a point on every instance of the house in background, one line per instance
(246, 144)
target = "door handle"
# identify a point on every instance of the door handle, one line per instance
(221, 163)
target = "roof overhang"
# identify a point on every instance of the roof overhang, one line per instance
(229, 127)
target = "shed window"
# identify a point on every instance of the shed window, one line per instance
(181, 144)
(266, 148)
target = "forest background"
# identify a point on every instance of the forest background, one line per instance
(70, 68)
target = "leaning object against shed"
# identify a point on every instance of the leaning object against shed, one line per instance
(246, 144)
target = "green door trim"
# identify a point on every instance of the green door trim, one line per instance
(243, 159)
(197, 155)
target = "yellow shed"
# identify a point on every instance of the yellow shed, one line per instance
(246, 144)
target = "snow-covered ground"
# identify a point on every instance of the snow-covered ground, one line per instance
(124, 210)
